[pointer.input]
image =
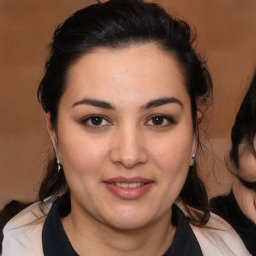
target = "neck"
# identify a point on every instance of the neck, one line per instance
(246, 199)
(91, 237)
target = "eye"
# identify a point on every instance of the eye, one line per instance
(95, 121)
(160, 120)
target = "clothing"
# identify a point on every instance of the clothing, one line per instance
(34, 233)
(227, 207)
(55, 241)
(8, 212)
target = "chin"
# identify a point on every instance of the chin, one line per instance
(129, 225)
(132, 221)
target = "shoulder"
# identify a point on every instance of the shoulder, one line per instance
(23, 233)
(219, 238)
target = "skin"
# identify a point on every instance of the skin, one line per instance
(246, 198)
(247, 163)
(128, 142)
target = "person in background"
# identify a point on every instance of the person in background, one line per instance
(120, 91)
(239, 206)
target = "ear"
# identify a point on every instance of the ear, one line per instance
(51, 132)
(199, 116)
(194, 148)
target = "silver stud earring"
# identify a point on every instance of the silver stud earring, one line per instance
(58, 164)
(193, 156)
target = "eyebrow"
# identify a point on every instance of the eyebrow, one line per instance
(95, 103)
(161, 102)
(150, 104)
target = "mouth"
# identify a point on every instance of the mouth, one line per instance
(129, 188)
(129, 185)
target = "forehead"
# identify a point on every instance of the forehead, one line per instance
(137, 71)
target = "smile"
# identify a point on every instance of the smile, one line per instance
(129, 188)
(129, 185)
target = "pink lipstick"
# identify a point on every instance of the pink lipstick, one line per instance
(128, 188)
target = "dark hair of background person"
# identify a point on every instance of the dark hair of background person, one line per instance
(244, 128)
(118, 24)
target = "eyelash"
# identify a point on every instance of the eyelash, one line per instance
(89, 119)
(164, 118)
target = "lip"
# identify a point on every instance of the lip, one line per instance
(129, 193)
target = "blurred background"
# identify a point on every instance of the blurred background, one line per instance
(226, 31)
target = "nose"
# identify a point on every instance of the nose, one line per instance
(129, 148)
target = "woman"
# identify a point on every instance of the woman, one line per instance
(120, 92)
(239, 207)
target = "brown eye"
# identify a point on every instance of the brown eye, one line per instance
(96, 120)
(158, 120)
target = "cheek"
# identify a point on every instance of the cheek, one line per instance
(247, 165)
(169, 158)
(173, 152)
(83, 154)
(173, 158)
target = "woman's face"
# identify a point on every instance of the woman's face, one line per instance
(124, 135)
(247, 163)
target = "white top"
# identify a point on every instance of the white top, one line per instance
(23, 235)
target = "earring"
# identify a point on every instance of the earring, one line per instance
(193, 157)
(58, 164)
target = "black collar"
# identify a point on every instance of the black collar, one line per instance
(55, 240)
